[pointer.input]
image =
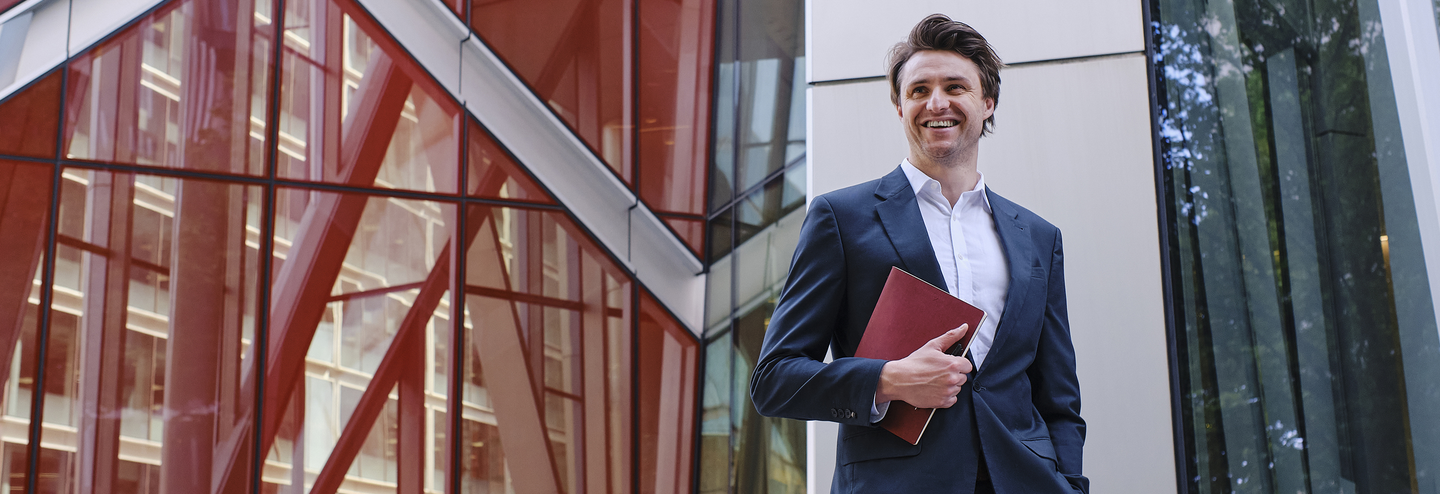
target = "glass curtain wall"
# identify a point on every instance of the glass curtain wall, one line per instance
(631, 78)
(1305, 337)
(237, 265)
(757, 199)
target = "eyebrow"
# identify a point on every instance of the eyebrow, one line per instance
(950, 78)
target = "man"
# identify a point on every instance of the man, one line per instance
(1009, 421)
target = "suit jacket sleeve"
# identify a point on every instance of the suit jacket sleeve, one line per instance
(1056, 388)
(791, 378)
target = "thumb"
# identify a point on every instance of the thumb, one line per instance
(947, 340)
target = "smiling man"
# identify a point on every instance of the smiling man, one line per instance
(1009, 418)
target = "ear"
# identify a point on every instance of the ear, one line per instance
(989, 107)
(900, 113)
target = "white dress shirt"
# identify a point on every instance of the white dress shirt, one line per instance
(968, 250)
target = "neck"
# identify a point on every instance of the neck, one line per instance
(956, 176)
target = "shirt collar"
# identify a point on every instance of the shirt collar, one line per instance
(919, 179)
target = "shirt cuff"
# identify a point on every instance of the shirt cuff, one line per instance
(877, 411)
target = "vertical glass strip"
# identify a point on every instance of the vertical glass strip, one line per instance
(1305, 348)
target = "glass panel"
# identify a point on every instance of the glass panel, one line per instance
(32, 117)
(769, 453)
(576, 56)
(772, 88)
(493, 174)
(185, 87)
(547, 315)
(24, 212)
(1306, 336)
(722, 168)
(690, 230)
(368, 277)
(355, 109)
(667, 366)
(6, 4)
(149, 346)
(721, 241)
(715, 445)
(676, 42)
(718, 295)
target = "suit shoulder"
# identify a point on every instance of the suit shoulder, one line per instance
(852, 196)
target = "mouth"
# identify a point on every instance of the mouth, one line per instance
(941, 124)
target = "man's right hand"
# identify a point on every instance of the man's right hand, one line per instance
(929, 377)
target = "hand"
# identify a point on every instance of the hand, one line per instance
(929, 377)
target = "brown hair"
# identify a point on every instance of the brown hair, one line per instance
(939, 32)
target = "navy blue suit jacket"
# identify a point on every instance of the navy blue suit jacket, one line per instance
(1021, 410)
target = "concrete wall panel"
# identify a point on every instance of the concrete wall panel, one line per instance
(849, 38)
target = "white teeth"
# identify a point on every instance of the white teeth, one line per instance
(938, 123)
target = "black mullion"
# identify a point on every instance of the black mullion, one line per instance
(266, 251)
(320, 186)
(457, 308)
(1167, 273)
(705, 240)
(634, 384)
(47, 290)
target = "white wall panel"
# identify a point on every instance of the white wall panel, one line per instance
(849, 38)
(93, 20)
(855, 135)
(1072, 143)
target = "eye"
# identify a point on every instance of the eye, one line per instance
(955, 87)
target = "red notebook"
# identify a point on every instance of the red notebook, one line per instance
(910, 313)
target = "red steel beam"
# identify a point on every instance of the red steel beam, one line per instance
(207, 266)
(23, 213)
(402, 364)
(102, 351)
(304, 282)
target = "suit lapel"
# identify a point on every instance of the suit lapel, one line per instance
(900, 216)
(1020, 255)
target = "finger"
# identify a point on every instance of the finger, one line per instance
(947, 340)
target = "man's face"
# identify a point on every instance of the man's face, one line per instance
(942, 105)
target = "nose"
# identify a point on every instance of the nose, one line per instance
(936, 102)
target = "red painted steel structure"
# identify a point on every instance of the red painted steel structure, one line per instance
(632, 78)
(162, 368)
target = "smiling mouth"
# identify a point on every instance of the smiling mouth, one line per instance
(940, 124)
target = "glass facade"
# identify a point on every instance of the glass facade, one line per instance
(1305, 338)
(242, 265)
(632, 78)
(756, 206)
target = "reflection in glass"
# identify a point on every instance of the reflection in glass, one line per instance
(353, 111)
(149, 350)
(1307, 341)
(186, 87)
(360, 293)
(667, 365)
(673, 101)
(24, 211)
(31, 116)
(548, 379)
(715, 406)
(575, 55)
(771, 76)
